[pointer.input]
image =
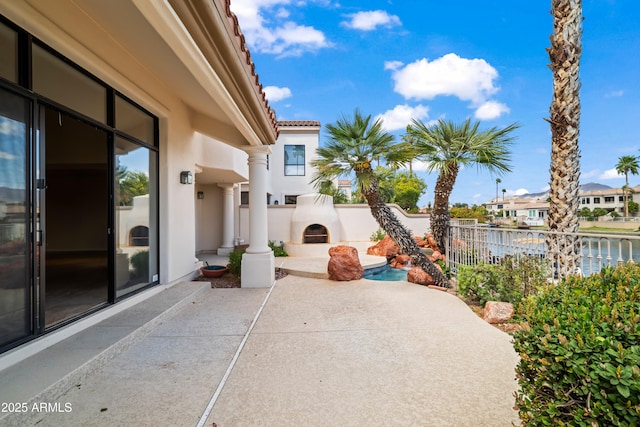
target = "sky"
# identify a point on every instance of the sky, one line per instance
(431, 59)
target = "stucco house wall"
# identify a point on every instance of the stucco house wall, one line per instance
(296, 132)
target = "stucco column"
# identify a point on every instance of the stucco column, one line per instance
(258, 264)
(228, 225)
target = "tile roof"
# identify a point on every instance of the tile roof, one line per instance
(285, 123)
(233, 19)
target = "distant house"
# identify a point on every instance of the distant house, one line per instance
(611, 200)
(536, 209)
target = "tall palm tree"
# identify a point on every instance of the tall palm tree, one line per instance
(446, 147)
(498, 181)
(352, 146)
(626, 165)
(564, 55)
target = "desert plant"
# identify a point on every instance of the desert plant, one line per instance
(278, 249)
(579, 350)
(235, 262)
(378, 235)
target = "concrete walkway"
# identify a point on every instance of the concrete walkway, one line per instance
(307, 352)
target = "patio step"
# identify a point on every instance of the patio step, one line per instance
(48, 373)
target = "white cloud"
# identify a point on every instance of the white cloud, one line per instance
(521, 192)
(267, 30)
(275, 93)
(491, 110)
(610, 174)
(590, 174)
(392, 65)
(614, 94)
(7, 156)
(369, 21)
(477, 196)
(401, 116)
(546, 188)
(467, 79)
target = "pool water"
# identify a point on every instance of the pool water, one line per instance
(389, 274)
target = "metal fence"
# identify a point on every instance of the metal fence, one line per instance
(470, 244)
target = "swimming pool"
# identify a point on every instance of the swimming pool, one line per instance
(387, 273)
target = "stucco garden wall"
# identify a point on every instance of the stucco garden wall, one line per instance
(357, 222)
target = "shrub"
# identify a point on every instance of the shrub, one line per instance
(511, 280)
(278, 250)
(235, 262)
(140, 263)
(580, 351)
(378, 235)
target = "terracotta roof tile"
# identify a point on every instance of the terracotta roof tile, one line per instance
(285, 123)
(250, 65)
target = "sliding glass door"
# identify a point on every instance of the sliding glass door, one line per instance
(15, 302)
(75, 200)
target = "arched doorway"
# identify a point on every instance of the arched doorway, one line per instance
(315, 233)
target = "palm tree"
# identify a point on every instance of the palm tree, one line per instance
(446, 147)
(498, 181)
(504, 191)
(352, 146)
(625, 165)
(565, 53)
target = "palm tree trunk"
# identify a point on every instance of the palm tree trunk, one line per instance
(626, 195)
(564, 54)
(400, 234)
(440, 215)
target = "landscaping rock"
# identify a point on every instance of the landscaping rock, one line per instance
(344, 264)
(385, 247)
(497, 312)
(419, 276)
(400, 261)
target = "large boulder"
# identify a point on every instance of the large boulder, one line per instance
(344, 264)
(497, 312)
(419, 276)
(385, 247)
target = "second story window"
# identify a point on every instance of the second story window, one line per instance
(294, 160)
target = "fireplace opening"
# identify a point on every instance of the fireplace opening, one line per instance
(315, 233)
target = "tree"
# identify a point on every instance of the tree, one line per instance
(446, 147)
(130, 185)
(626, 165)
(498, 181)
(586, 213)
(353, 144)
(564, 55)
(598, 212)
(328, 188)
(408, 189)
(504, 190)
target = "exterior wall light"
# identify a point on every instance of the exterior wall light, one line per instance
(186, 177)
(200, 194)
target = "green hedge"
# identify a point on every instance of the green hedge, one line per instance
(512, 279)
(580, 352)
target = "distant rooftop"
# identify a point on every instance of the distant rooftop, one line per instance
(298, 123)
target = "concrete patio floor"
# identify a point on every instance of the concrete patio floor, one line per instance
(306, 352)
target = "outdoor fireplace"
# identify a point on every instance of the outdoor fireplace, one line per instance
(315, 220)
(315, 233)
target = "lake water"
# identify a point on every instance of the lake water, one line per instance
(597, 251)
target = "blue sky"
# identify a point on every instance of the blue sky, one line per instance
(487, 60)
